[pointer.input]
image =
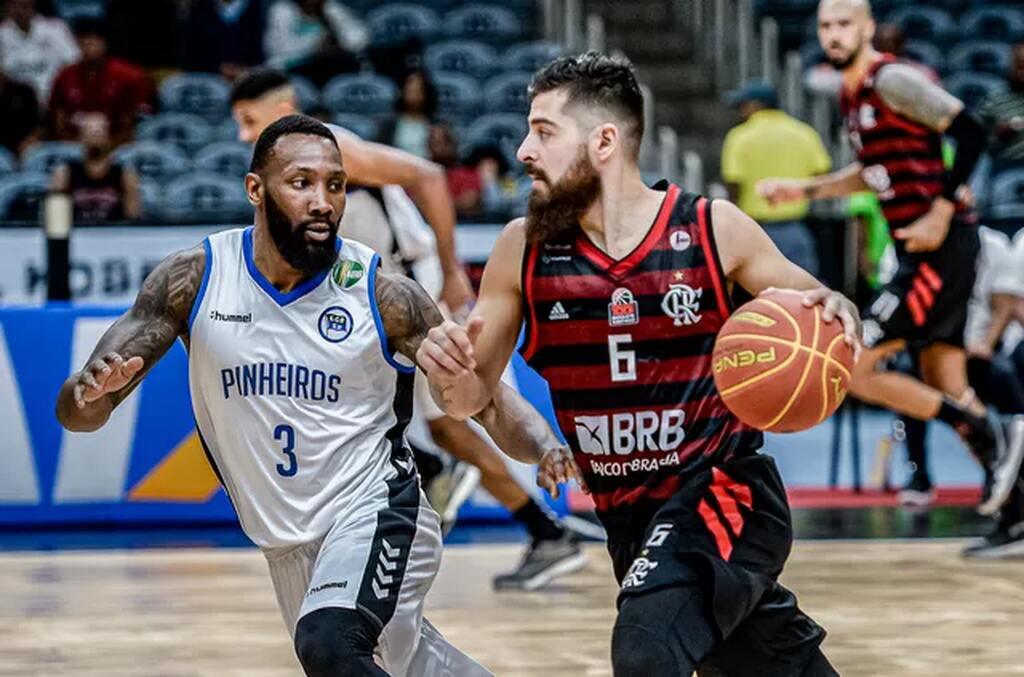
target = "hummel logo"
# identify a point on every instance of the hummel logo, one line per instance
(218, 316)
(558, 312)
(385, 573)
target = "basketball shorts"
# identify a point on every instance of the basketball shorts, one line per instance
(727, 531)
(381, 563)
(926, 300)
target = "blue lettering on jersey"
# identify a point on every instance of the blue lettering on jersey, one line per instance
(280, 379)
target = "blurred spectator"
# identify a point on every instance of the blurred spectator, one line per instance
(115, 89)
(145, 33)
(100, 190)
(499, 189)
(463, 181)
(224, 36)
(314, 38)
(1003, 114)
(34, 47)
(19, 111)
(770, 143)
(410, 127)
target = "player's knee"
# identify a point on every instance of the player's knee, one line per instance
(638, 652)
(336, 643)
(661, 634)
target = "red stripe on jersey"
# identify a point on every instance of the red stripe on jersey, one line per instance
(916, 308)
(740, 491)
(617, 498)
(583, 377)
(915, 166)
(528, 284)
(729, 508)
(930, 276)
(711, 257)
(895, 147)
(927, 297)
(551, 288)
(716, 528)
(907, 212)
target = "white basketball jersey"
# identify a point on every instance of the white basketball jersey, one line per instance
(298, 403)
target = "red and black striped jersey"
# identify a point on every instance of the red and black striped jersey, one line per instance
(625, 347)
(903, 161)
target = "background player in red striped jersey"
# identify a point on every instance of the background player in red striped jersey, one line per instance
(896, 117)
(623, 289)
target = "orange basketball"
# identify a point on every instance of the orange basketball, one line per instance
(778, 366)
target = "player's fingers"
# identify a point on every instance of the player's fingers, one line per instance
(440, 339)
(902, 233)
(460, 338)
(832, 306)
(88, 380)
(446, 366)
(475, 328)
(545, 482)
(767, 290)
(815, 296)
(79, 391)
(132, 366)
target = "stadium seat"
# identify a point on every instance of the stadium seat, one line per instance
(507, 93)
(983, 56)
(994, 23)
(365, 94)
(21, 195)
(151, 197)
(43, 157)
(306, 92)
(504, 130)
(972, 88)
(1008, 187)
(457, 56)
(458, 95)
(924, 23)
(360, 125)
(206, 196)
(189, 132)
(397, 23)
(226, 131)
(811, 53)
(8, 163)
(153, 160)
(926, 53)
(202, 94)
(227, 158)
(73, 10)
(485, 23)
(530, 57)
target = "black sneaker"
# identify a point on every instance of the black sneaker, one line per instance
(1000, 544)
(918, 492)
(543, 562)
(1004, 468)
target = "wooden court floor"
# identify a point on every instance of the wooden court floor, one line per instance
(892, 608)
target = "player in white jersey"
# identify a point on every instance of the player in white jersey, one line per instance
(383, 217)
(300, 370)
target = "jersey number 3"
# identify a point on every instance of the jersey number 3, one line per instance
(622, 362)
(286, 435)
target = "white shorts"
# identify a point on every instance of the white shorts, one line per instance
(381, 563)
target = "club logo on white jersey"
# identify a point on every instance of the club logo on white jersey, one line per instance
(385, 574)
(682, 304)
(623, 310)
(558, 312)
(626, 432)
(680, 240)
(638, 572)
(335, 324)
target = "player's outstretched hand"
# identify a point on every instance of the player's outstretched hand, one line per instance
(447, 352)
(777, 191)
(557, 467)
(837, 306)
(105, 375)
(928, 232)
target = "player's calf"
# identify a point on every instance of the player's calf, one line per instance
(336, 642)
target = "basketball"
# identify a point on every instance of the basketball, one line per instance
(778, 366)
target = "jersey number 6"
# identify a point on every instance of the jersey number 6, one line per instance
(286, 434)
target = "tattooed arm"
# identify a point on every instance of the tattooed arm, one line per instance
(912, 94)
(133, 343)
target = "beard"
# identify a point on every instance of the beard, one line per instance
(302, 255)
(553, 216)
(841, 63)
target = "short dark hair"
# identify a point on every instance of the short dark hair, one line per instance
(87, 26)
(256, 83)
(286, 126)
(595, 79)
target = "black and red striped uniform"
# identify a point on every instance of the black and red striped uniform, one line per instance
(902, 158)
(626, 349)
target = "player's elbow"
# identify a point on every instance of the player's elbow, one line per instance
(430, 179)
(72, 418)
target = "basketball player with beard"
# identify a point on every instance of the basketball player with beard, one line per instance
(896, 117)
(623, 289)
(300, 369)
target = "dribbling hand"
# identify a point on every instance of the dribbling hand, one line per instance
(105, 375)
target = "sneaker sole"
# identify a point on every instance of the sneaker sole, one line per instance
(464, 487)
(1012, 550)
(563, 568)
(1003, 484)
(916, 499)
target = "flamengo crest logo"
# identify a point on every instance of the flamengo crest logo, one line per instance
(623, 310)
(682, 304)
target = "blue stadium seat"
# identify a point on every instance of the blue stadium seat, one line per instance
(457, 56)
(531, 56)
(507, 93)
(504, 130)
(397, 23)
(227, 158)
(994, 23)
(205, 196)
(8, 163)
(972, 88)
(1008, 187)
(458, 95)
(361, 125)
(365, 94)
(73, 10)
(306, 92)
(982, 56)
(153, 160)
(924, 23)
(485, 23)
(151, 195)
(926, 53)
(811, 53)
(202, 94)
(189, 132)
(43, 157)
(21, 195)
(226, 131)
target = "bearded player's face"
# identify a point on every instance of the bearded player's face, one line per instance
(843, 32)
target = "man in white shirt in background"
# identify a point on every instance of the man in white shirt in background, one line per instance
(34, 47)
